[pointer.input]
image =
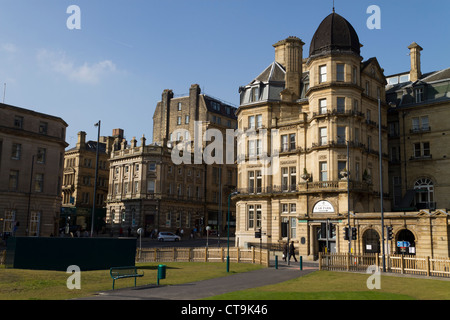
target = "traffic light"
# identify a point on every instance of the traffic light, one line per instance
(354, 231)
(323, 230)
(330, 231)
(390, 235)
(345, 233)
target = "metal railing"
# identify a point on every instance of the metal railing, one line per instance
(238, 255)
(404, 264)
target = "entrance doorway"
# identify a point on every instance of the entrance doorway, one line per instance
(371, 241)
(406, 237)
(326, 237)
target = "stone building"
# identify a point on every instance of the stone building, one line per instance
(309, 154)
(181, 120)
(79, 179)
(31, 167)
(147, 190)
(419, 143)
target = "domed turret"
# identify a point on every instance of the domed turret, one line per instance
(335, 34)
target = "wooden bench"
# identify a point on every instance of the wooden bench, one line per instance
(124, 272)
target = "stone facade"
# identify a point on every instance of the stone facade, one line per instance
(419, 137)
(79, 179)
(31, 167)
(184, 119)
(317, 121)
(146, 190)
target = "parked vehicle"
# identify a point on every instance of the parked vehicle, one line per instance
(168, 236)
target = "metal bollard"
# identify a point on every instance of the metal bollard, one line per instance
(276, 262)
(301, 263)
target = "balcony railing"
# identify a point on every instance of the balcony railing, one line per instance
(153, 196)
(317, 186)
(426, 205)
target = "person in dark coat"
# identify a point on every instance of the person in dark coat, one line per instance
(292, 251)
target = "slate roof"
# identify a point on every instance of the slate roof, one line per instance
(335, 33)
(273, 73)
(92, 147)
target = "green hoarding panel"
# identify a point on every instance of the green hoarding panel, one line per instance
(60, 253)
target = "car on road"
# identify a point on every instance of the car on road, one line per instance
(168, 236)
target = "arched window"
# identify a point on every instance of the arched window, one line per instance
(407, 237)
(424, 188)
(371, 241)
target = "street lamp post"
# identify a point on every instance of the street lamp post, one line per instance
(29, 197)
(348, 196)
(95, 178)
(347, 142)
(380, 155)
(228, 229)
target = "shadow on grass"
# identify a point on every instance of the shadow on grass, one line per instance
(154, 267)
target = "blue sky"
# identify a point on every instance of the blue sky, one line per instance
(127, 52)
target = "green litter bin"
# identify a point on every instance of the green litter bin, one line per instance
(161, 272)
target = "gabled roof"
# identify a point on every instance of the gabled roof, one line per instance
(273, 73)
(92, 146)
(225, 109)
(436, 76)
(426, 78)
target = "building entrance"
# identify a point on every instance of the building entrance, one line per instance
(371, 241)
(408, 242)
(326, 237)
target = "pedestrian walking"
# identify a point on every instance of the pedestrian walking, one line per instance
(292, 251)
(285, 251)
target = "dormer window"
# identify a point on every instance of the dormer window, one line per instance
(254, 94)
(419, 95)
(215, 105)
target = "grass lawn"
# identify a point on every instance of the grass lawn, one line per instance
(16, 284)
(324, 285)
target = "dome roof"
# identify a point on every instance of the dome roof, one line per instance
(335, 33)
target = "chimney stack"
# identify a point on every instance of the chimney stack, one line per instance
(117, 133)
(81, 143)
(415, 72)
(289, 53)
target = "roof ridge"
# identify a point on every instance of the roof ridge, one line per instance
(435, 73)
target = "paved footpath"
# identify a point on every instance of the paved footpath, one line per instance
(208, 288)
